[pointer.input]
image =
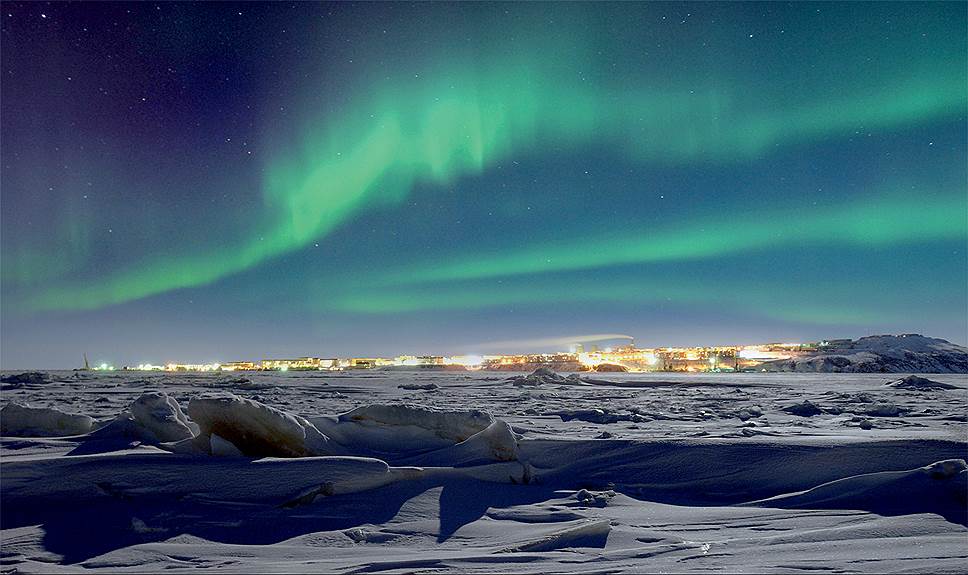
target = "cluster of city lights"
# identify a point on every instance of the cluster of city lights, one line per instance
(627, 358)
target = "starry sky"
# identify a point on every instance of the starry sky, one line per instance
(223, 181)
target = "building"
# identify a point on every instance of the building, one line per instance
(629, 357)
(144, 367)
(360, 363)
(468, 361)
(192, 367)
(240, 366)
(330, 363)
(301, 363)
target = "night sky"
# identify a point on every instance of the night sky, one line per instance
(220, 181)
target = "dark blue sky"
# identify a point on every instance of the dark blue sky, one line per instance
(216, 181)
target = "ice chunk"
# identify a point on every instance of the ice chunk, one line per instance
(749, 413)
(920, 383)
(884, 409)
(162, 416)
(497, 442)
(23, 420)
(418, 386)
(595, 415)
(804, 409)
(256, 429)
(542, 376)
(453, 426)
(501, 440)
(594, 498)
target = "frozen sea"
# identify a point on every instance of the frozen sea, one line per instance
(403, 472)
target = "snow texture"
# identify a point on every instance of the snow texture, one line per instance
(255, 429)
(161, 416)
(25, 420)
(379, 472)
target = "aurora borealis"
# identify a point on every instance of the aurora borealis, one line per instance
(213, 181)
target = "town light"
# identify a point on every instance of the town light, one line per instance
(467, 360)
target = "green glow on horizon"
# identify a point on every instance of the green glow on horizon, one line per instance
(874, 222)
(524, 275)
(465, 118)
(857, 303)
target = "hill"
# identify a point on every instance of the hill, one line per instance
(906, 353)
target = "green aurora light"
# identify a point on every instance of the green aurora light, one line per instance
(449, 112)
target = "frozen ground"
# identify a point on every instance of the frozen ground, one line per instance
(476, 472)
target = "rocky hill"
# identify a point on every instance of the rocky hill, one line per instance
(907, 353)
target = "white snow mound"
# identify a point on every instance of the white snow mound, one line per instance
(26, 421)
(454, 426)
(499, 440)
(162, 416)
(256, 429)
(940, 488)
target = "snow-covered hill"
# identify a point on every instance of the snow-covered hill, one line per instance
(907, 353)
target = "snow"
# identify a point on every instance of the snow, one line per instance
(370, 471)
(403, 428)
(920, 383)
(421, 386)
(496, 442)
(803, 409)
(881, 354)
(582, 533)
(26, 378)
(897, 345)
(25, 420)
(542, 376)
(254, 428)
(161, 416)
(940, 487)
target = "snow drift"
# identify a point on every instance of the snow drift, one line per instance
(520, 483)
(920, 384)
(161, 416)
(543, 376)
(399, 429)
(26, 378)
(24, 420)
(941, 487)
(255, 429)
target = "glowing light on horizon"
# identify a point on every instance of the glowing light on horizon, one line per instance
(467, 360)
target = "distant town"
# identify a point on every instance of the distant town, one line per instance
(620, 358)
